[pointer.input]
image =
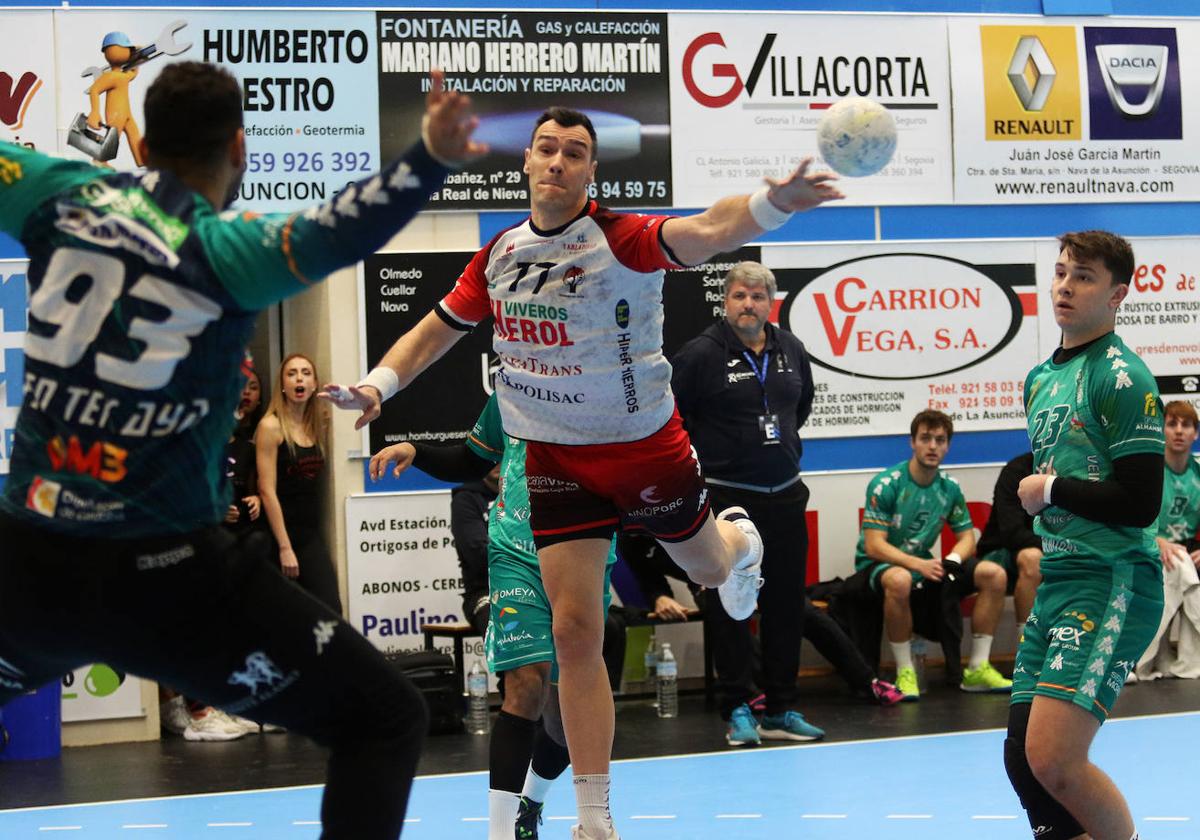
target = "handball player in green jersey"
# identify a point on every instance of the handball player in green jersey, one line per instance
(1096, 432)
(142, 294)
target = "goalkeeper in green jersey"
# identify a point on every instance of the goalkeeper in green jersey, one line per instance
(1096, 432)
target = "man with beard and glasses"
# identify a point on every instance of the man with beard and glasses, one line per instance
(141, 300)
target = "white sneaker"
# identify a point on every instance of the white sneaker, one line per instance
(577, 833)
(245, 724)
(173, 715)
(739, 592)
(212, 725)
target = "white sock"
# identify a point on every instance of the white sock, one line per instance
(502, 814)
(981, 649)
(903, 653)
(591, 798)
(536, 788)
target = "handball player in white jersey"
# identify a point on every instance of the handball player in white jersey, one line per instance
(575, 292)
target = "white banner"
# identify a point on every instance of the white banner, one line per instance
(747, 92)
(27, 80)
(308, 81)
(13, 319)
(98, 692)
(895, 328)
(402, 570)
(1072, 111)
(1159, 320)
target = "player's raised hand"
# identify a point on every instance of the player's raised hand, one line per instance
(401, 454)
(448, 124)
(803, 190)
(353, 398)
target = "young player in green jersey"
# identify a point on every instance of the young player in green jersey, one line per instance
(906, 507)
(1178, 546)
(142, 296)
(519, 641)
(1096, 433)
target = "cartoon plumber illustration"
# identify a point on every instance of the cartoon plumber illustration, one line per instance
(99, 138)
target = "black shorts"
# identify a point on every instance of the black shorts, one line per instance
(200, 612)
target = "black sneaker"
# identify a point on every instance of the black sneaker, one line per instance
(529, 817)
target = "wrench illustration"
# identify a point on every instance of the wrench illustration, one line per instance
(164, 44)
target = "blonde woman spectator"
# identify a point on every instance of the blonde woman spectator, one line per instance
(289, 446)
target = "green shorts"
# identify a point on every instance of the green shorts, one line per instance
(519, 629)
(1084, 636)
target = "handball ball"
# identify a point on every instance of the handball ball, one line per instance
(857, 137)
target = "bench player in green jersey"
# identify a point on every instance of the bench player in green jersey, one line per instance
(142, 297)
(1096, 433)
(1178, 546)
(519, 642)
(907, 505)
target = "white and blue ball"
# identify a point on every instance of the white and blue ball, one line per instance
(857, 137)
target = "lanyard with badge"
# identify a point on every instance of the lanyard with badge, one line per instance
(768, 422)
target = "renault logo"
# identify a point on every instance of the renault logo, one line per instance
(1135, 65)
(1030, 49)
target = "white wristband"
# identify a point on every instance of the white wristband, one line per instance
(953, 557)
(384, 380)
(765, 214)
(1046, 489)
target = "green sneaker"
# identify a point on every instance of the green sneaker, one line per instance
(906, 681)
(985, 679)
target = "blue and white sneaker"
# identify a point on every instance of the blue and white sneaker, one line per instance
(790, 726)
(743, 728)
(739, 592)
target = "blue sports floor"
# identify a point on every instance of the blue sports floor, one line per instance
(941, 786)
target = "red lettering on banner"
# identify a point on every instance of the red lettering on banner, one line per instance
(838, 339)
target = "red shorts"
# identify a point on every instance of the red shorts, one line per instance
(578, 492)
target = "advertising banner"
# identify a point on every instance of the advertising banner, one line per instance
(308, 88)
(1159, 320)
(98, 692)
(13, 320)
(895, 328)
(1069, 112)
(397, 291)
(402, 571)
(514, 65)
(747, 92)
(27, 79)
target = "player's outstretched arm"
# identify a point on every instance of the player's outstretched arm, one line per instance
(262, 259)
(735, 220)
(414, 351)
(398, 457)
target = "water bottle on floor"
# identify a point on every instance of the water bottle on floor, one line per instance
(668, 690)
(478, 714)
(651, 662)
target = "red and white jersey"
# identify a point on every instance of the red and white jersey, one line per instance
(578, 326)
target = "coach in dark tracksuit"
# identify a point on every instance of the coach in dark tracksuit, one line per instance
(744, 389)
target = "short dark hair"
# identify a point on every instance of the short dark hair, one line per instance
(566, 117)
(932, 419)
(1113, 251)
(193, 109)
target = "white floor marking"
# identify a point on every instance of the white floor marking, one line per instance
(1167, 819)
(60, 828)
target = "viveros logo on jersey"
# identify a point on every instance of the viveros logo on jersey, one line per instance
(1031, 88)
(1133, 83)
(770, 73)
